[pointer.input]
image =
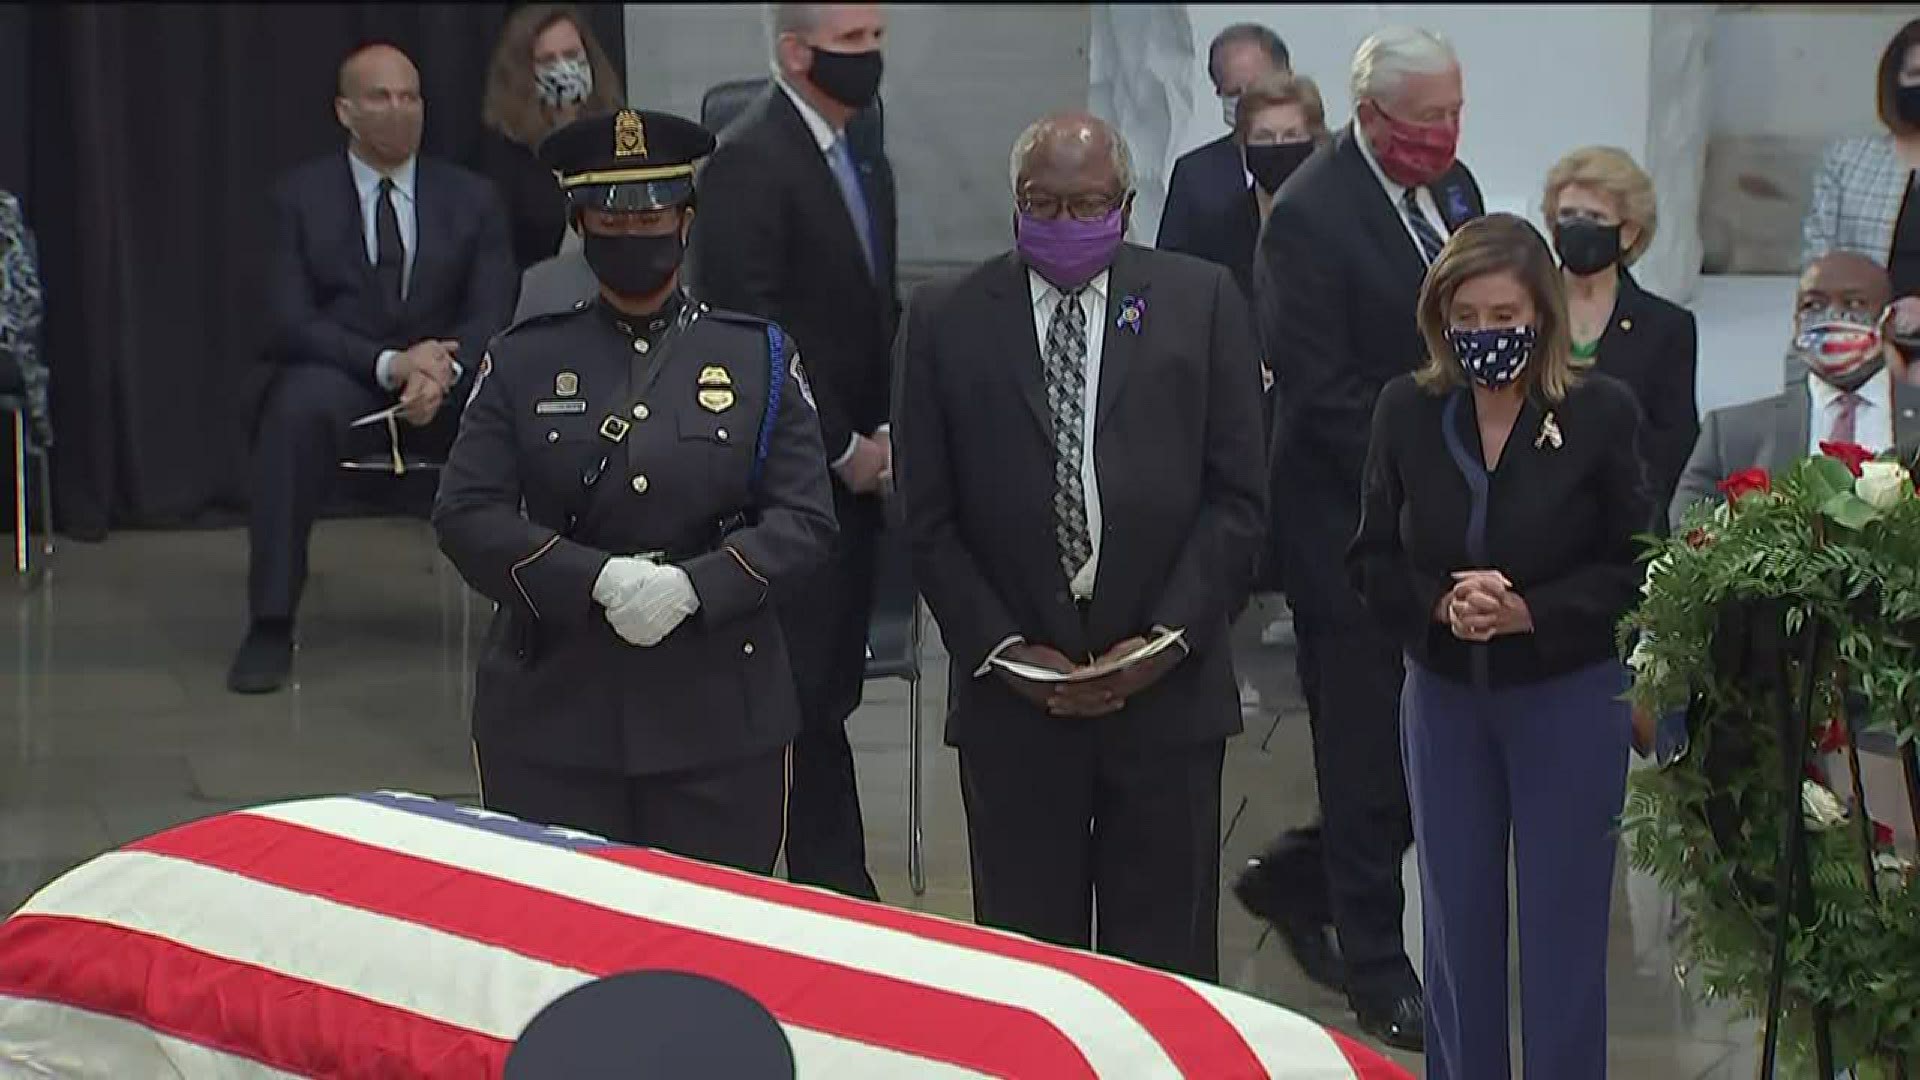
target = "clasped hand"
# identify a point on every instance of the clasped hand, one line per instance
(1482, 606)
(644, 601)
(1096, 697)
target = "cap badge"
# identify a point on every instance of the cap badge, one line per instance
(629, 138)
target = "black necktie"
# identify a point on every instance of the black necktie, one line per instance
(391, 261)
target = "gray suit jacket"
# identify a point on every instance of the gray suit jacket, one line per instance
(1770, 434)
(555, 284)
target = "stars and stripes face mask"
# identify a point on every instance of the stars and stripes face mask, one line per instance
(1837, 347)
(1493, 356)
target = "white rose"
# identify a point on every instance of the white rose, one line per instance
(1883, 484)
(1821, 807)
(1659, 565)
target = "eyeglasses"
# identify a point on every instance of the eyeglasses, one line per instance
(1081, 207)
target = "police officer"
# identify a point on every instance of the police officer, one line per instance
(629, 479)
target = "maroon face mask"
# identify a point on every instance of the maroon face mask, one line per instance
(1416, 155)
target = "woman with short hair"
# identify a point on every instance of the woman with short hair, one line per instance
(1503, 490)
(1600, 205)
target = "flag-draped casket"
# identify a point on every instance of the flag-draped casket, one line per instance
(390, 935)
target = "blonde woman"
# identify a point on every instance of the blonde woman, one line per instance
(1501, 498)
(547, 71)
(1279, 122)
(1600, 205)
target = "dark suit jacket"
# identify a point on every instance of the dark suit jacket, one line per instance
(1210, 210)
(1653, 346)
(1337, 280)
(1177, 443)
(324, 304)
(773, 238)
(1559, 521)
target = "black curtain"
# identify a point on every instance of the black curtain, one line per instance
(156, 133)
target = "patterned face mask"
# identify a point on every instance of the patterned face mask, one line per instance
(566, 81)
(1838, 347)
(1493, 356)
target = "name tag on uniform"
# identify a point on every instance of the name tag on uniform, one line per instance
(550, 408)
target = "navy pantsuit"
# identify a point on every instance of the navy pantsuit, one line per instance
(1523, 736)
(1544, 763)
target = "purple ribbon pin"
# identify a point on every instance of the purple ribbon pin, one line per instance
(1132, 310)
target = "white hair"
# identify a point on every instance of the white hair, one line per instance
(1119, 156)
(1392, 53)
(787, 19)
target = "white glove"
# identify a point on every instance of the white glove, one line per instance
(620, 579)
(663, 600)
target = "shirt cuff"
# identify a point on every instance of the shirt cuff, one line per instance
(853, 441)
(987, 664)
(383, 368)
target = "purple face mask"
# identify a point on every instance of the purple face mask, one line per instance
(1066, 251)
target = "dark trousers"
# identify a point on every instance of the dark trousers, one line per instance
(825, 617)
(1125, 837)
(1352, 675)
(302, 436)
(729, 814)
(1546, 764)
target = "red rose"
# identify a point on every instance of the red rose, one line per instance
(1833, 738)
(1744, 482)
(1697, 538)
(1850, 453)
(1882, 835)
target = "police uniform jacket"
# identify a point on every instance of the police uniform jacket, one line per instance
(592, 435)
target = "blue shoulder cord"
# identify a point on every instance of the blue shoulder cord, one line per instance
(776, 382)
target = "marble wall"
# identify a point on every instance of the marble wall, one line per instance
(961, 82)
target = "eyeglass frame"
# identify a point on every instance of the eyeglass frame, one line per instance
(1073, 207)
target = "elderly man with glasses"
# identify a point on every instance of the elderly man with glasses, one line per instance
(1077, 442)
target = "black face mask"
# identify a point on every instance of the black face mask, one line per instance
(1271, 165)
(1906, 103)
(852, 79)
(633, 265)
(1587, 247)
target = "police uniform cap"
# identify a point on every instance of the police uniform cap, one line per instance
(630, 160)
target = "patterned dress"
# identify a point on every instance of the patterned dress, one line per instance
(20, 310)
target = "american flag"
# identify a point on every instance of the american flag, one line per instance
(391, 935)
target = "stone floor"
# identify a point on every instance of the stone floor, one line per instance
(114, 722)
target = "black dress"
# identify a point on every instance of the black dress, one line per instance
(536, 210)
(1903, 261)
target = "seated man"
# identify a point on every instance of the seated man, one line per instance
(389, 274)
(1847, 395)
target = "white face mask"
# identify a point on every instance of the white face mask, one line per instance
(1229, 108)
(566, 81)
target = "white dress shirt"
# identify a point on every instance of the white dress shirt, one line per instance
(824, 136)
(1395, 192)
(1872, 418)
(366, 184)
(1093, 305)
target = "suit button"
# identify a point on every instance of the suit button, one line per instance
(641, 412)
(640, 345)
(747, 648)
(553, 436)
(721, 434)
(640, 485)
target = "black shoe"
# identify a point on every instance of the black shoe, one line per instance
(1311, 941)
(1399, 1022)
(265, 659)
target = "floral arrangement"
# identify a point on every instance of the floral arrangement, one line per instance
(1835, 539)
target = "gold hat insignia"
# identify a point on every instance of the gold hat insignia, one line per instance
(629, 137)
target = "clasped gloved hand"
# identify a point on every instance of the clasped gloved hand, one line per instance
(644, 600)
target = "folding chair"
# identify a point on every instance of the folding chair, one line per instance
(893, 652)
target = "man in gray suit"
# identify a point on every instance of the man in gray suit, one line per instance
(1848, 394)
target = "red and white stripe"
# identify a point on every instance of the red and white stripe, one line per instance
(343, 937)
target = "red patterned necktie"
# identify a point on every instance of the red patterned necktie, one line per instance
(1846, 409)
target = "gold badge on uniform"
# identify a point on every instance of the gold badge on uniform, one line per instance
(629, 138)
(715, 389)
(566, 384)
(614, 428)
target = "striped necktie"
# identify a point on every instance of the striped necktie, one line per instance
(1430, 239)
(1066, 367)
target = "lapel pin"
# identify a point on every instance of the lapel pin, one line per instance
(1132, 310)
(1549, 434)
